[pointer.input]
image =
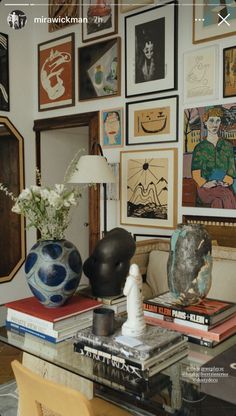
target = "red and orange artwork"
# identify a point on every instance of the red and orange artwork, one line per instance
(56, 66)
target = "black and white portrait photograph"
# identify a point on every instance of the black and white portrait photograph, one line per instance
(150, 50)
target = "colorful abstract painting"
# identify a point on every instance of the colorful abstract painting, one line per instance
(209, 161)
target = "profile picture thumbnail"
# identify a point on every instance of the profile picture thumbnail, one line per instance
(17, 19)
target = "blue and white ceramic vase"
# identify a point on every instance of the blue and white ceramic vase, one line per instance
(53, 270)
(189, 264)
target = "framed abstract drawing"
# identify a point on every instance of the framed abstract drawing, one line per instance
(201, 74)
(4, 73)
(99, 70)
(151, 50)
(152, 121)
(62, 14)
(128, 5)
(149, 188)
(112, 130)
(101, 19)
(209, 166)
(56, 73)
(213, 20)
(229, 72)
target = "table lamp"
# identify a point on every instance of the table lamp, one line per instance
(94, 169)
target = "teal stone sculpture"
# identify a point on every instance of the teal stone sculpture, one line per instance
(189, 264)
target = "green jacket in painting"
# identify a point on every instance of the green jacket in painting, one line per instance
(214, 160)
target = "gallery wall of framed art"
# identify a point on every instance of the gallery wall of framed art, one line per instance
(152, 73)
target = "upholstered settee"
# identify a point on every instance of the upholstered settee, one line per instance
(152, 256)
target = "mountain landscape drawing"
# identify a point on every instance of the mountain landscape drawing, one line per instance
(147, 189)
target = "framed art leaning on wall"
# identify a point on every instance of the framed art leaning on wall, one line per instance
(151, 50)
(56, 73)
(149, 188)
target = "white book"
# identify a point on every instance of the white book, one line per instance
(21, 317)
(61, 333)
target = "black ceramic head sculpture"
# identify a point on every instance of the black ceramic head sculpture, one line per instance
(108, 265)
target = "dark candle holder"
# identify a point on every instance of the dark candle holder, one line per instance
(103, 321)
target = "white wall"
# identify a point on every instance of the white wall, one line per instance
(23, 90)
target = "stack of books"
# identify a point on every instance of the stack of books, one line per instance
(143, 357)
(51, 324)
(118, 303)
(207, 323)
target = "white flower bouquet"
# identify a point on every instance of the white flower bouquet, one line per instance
(46, 209)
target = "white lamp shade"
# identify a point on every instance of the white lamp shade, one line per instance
(92, 169)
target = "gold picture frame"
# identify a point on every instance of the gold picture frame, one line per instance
(149, 188)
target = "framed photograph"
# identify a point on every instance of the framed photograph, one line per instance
(149, 188)
(152, 121)
(62, 14)
(112, 131)
(127, 5)
(201, 74)
(56, 77)
(101, 19)
(4, 73)
(99, 70)
(213, 20)
(151, 50)
(209, 171)
(229, 72)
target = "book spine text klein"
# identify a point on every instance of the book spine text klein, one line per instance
(176, 313)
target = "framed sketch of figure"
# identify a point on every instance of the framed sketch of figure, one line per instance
(4, 73)
(56, 73)
(112, 127)
(150, 50)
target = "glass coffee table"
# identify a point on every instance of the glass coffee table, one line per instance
(176, 390)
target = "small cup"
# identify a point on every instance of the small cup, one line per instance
(103, 321)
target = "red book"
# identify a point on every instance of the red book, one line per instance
(76, 305)
(218, 333)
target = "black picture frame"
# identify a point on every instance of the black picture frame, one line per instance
(143, 74)
(4, 73)
(100, 70)
(152, 121)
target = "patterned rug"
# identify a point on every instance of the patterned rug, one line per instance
(8, 399)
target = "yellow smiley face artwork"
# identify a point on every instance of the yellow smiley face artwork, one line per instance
(152, 121)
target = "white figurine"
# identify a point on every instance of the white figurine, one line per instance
(135, 324)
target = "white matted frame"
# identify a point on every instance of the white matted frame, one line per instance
(213, 20)
(149, 188)
(151, 50)
(201, 74)
(152, 121)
